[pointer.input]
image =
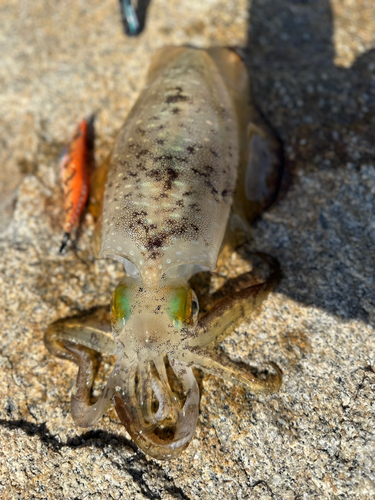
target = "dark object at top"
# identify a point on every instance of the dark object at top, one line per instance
(133, 13)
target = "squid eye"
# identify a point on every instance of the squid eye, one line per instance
(184, 307)
(120, 306)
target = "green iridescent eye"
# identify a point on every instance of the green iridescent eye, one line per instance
(183, 307)
(120, 307)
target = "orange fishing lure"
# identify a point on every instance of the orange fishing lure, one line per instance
(75, 179)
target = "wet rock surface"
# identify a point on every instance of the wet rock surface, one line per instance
(313, 70)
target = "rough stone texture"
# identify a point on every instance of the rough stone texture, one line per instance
(313, 66)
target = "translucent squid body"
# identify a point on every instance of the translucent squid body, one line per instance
(193, 164)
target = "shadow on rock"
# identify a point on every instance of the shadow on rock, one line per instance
(325, 116)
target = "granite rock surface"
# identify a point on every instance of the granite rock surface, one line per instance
(312, 64)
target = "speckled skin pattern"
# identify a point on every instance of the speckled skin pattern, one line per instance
(177, 166)
(174, 168)
(313, 75)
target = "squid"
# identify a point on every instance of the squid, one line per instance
(193, 165)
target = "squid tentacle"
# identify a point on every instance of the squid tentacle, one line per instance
(146, 435)
(223, 367)
(230, 311)
(173, 399)
(91, 329)
(144, 391)
(129, 394)
(86, 414)
(190, 411)
(162, 395)
(80, 339)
